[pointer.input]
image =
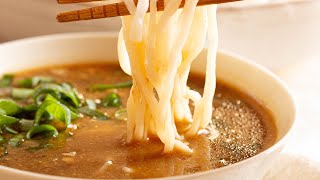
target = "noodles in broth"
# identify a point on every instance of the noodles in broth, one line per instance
(157, 50)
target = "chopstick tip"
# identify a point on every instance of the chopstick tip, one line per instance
(60, 18)
(66, 17)
(60, 2)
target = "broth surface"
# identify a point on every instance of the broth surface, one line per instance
(97, 149)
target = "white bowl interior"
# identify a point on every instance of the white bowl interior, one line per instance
(81, 48)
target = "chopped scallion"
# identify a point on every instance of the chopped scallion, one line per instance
(34, 81)
(93, 113)
(46, 129)
(6, 80)
(26, 125)
(74, 114)
(16, 140)
(101, 87)
(121, 114)
(2, 140)
(7, 120)
(41, 79)
(10, 130)
(63, 91)
(26, 83)
(2, 111)
(91, 104)
(9, 107)
(56, 109)
(30, 108)
(22, 93)
(111, 100)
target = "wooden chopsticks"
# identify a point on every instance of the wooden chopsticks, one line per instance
(113, 10)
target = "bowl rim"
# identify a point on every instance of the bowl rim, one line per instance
(60, 36)
(264, 70)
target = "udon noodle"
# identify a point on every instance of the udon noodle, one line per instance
(157, 50)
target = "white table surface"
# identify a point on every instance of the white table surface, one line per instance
(304, 81)
(301, 157)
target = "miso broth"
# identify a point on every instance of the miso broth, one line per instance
(93, 148)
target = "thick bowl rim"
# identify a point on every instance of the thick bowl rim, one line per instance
(65, 36)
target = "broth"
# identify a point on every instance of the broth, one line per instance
(97, 149)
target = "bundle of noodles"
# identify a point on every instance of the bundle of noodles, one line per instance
(157, 50)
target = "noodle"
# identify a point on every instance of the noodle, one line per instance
(157, 50)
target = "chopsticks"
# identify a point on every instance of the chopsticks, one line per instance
(113, 10)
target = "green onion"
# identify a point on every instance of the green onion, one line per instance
(56, 109)
(26, 125)
(73, 91)
(6, 80)
(74, 115)
(41, 79)
(30, 108)
(2, 140)
(93, 113)
(7, 120)
(60, 92)
(72, 94)
(2, 111)
(22, 93)
(34, 81)
(16, 140)
(26, 83)
(10, 130)
(121, 114)
(48, 130)
(49, 97)
(47, 117)
(111, 100)
(101, 87)
(91, 104)
(9, 107)
(73, 111)
(52, 89)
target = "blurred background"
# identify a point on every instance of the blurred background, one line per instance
(282, 35)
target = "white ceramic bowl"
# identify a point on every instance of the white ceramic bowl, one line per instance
(81, 48)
